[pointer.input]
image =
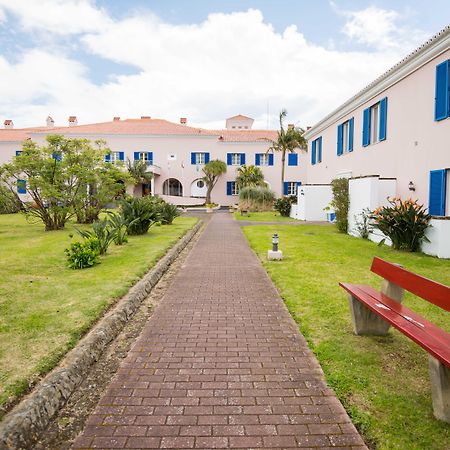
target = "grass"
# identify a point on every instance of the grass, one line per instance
(382, 381)
(46, 307)
(269, 216)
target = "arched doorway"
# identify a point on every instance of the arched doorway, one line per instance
(173, 187)
(198, 188)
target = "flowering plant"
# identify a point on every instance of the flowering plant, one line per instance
(404, 222)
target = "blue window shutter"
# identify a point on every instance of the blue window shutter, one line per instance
(285, 188)
(150, 156)
(121, 156)
(293, 159)
(229, 186)
(193, 158)
(383, 118)
(350, 134)
(242, 158)
(366, 128)
(257, 159)
(270, 159)
(438, 181)
(340, 138)
(313, 151)
(319, 150)
(229, 159)
(206, 158)
(108, 157)
(18, 152)
(21, 187)
(442, 100)
(57, 156)
(136, 156)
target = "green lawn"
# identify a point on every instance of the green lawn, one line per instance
(271, 216)
(382, 381)
(45, 307)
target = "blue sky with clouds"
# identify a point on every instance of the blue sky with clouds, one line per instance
(204, 58)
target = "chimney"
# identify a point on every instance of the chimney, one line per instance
(145, 117)
(8, 124)
(50, 122)
(290, 126)
(73, 121)
(116, 119)
(183, 120)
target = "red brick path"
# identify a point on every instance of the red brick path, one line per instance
(220, 364)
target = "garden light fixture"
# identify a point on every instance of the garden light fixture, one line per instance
(274, 254)
(411, 186)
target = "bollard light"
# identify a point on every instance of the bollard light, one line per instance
(275, 242)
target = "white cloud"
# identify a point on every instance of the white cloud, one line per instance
(381, 29)
(228, 64)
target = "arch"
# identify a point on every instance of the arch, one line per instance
(173, 187)
(198, 188)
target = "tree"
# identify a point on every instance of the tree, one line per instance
(212, 171)
(55, 176)
(139, 171)
(250, 176)
(287, 142)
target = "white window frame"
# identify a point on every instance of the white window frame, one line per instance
(375, 118)
(234, 188)
(115, 157)
(346, 137)
(143, 156)
(235, 159)
(263, 159)
(292, 188)
(200, 158)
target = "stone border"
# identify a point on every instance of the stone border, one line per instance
(22, 426)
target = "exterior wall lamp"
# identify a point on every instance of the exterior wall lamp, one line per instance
(411, 186)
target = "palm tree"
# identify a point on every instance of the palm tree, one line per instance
(287, 142)
(212, 171)
(139, 171)
(249, 176)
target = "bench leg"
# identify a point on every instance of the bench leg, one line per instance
(440, 389)
(366, 321)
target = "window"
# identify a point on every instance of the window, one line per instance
(172, 187)
(147, 157)
(438, 192)
(21, 187)
(235, 159)
(200, 184)
(345, 137)
(442, 90)
(374, 123)
(264, 159)
(114, 157)
(290, 187)
(292, 159)
(316, 151)
(199, 158)
(232, 188)
(18, 152)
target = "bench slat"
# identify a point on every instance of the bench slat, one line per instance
(430, 290)
(417, 333)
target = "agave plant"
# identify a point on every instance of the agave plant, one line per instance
(168, 213)
(101, 233)
(140, 214)
(117, 223)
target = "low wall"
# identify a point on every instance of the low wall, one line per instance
(183, 201)
(311, 201)
(439, 236)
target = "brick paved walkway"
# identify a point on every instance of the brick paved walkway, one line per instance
(220, 364)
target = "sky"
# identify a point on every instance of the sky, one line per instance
(201, 59)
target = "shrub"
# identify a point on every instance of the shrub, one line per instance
(9, 202)
(102, 232)
(404, 222)
(81, 255)
(117, 224)
(256, 198)
(340, 203)
(362, 223)
(283, 205)
(140, 214)
(168, 213)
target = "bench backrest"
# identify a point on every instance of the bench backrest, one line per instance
(430, 290)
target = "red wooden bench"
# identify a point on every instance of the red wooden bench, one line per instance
(374, 312)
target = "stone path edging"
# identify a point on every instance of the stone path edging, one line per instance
(22, 426)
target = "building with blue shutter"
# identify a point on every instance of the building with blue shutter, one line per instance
(392, 137)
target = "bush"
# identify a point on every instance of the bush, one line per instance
(404, 222)
(82, 255)
(340, 203)
(117, 224)
(256, 198)
(362, 223)
(140, 214)
(9, 202)
(101, 233)
(168, 213)
(283, 205)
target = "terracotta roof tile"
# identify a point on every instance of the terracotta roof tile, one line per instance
(18, 134)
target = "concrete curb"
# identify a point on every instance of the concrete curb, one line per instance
(22, 426)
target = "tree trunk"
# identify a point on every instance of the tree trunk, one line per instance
(283, 159)
(208, 194)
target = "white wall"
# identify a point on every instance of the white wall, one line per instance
(439, 236)
(311, 201)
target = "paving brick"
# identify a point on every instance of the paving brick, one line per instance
(220, 364)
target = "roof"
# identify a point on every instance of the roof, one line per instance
(239, 117)
(428, 50)
(18, 134)
(246, 135)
